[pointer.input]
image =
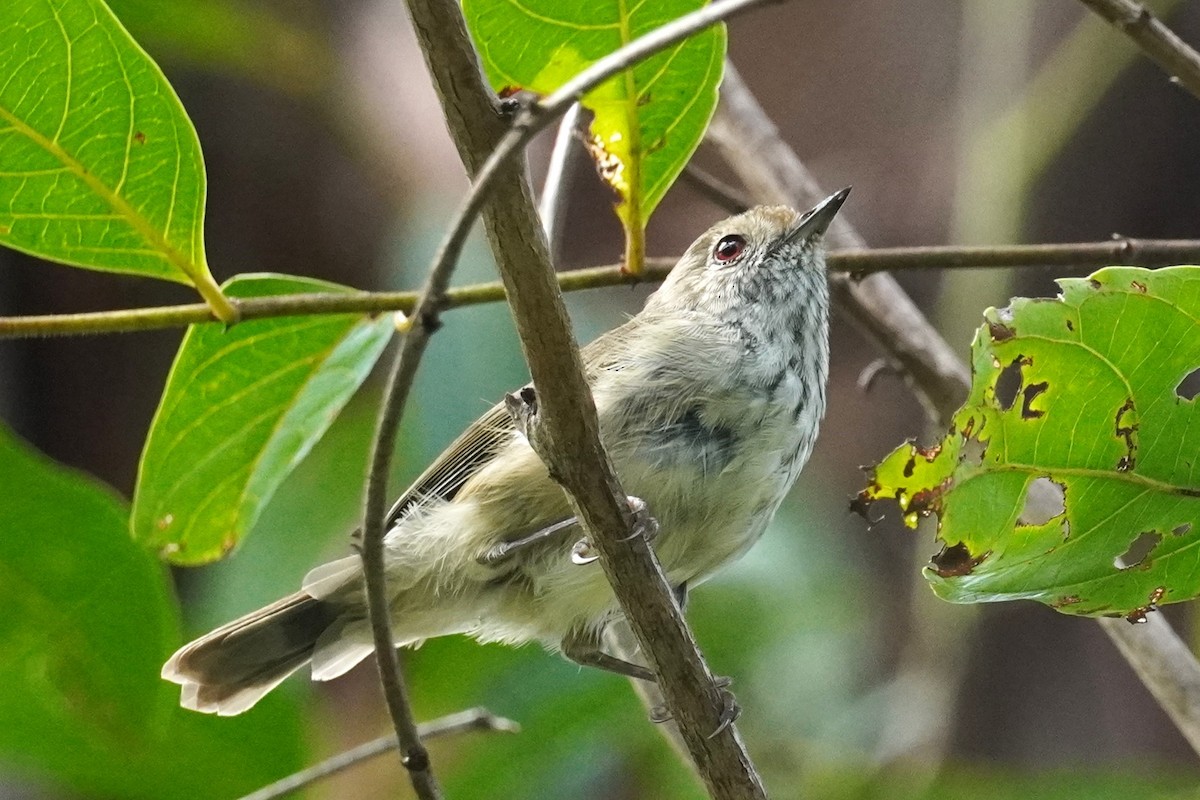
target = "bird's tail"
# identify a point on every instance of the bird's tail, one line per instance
(229, 670)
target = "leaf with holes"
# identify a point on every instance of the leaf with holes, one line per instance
(648, 120)
(1072, 474)
(242, 407)
(99, 165)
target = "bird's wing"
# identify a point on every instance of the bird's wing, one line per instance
(485, 437)
(471, 451)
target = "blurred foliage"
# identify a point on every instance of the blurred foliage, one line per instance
(1075, 448)
(289, 52)
(89, 620)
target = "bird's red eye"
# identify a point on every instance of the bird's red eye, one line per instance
(729, 248)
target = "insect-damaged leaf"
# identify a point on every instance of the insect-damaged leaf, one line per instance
(648, 120)
(1072, 474)
(242, 407)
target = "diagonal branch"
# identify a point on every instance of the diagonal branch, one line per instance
(1158, 41)
(765, 162)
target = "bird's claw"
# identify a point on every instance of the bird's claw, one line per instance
(644, 525)
(730, 710)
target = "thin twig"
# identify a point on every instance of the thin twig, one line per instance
(473, 719)
(858, 262)
(552, 205)
(1158, 41)
(715, 190)
(413, 754)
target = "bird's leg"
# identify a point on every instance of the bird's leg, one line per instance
(644, 525)
(504, 551)
(584, 649)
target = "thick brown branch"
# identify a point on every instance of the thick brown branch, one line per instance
(567, 423)
(1158, 41)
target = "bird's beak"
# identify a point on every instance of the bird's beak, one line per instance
(818, 218)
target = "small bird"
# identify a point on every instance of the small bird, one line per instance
(709, 401)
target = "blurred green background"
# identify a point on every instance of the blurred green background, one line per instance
(972, 121)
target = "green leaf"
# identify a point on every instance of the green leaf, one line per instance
(99, 165)
(648, 120)
(1072, 474)
(88, 621)
(241, 408)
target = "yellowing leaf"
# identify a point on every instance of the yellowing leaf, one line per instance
(647, 121)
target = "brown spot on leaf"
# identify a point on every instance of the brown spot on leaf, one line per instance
(1066, 600)
(1095, 284)
(164, 522)
(1070, 325)
(1030, 394)
(1138, 615)
(1000, 332)
(1138, 286)
(929, 501)
(956, 560)
(1126, 430)
(928, 453)
(139, 137)
(508, 91)
(609, 166)
(1182, 530)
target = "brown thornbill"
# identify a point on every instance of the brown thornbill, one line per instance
(709, 401)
